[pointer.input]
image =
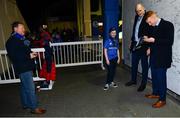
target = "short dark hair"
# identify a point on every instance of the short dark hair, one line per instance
(112, 29)
(15, 24)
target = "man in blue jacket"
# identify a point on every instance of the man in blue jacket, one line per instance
(22, 57)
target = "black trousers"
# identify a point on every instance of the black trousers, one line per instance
(111, 70)
(49, 65)
(136, 57)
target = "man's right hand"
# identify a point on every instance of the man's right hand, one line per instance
(33, 55)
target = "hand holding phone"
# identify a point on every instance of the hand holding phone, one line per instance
(33, 55)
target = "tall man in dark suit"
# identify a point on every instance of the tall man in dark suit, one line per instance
(162, 38)
(139, 52)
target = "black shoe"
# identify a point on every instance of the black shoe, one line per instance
(44, 85)
(141, 88)
(25, 108)
(130, 83)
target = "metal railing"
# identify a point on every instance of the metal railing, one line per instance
(78, 53)
(8, 75)
(65, 54)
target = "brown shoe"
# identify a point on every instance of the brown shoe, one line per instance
(151, 96)
(159, 104)
(38, 111)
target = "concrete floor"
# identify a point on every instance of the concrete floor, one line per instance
(78, 92)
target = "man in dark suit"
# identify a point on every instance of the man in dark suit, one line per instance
(139, 52)
(162, 38)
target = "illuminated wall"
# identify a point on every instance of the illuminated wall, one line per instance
(167, 9)
(8, 13)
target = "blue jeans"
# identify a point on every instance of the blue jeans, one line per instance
(28, 96)
(136, 57)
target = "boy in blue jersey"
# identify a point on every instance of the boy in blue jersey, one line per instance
(112, 56)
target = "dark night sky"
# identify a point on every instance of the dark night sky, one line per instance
(35, 12)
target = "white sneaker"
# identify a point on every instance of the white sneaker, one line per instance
(51, 84)
(114, 85)
(106, 87)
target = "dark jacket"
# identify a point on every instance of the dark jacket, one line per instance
(48, 57)
(19, 54)
(143, 31)
(161, 49)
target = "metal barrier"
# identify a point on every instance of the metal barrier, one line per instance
(8, 75)
(65, 54)
(78, 53)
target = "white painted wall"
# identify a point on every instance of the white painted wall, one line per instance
(167, 9)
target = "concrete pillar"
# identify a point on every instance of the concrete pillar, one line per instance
(111, 16)
(87, 17)
(80, 16)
